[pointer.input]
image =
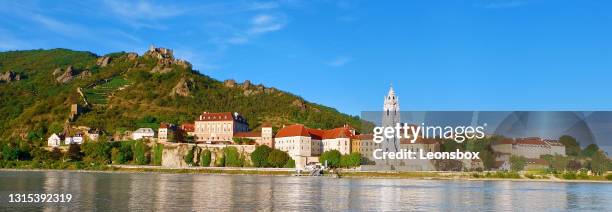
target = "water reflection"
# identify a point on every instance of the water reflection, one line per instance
(165, 192)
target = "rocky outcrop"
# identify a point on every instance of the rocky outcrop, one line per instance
(230, 83)
(165, 60)
(103, 61)
(299, 103)
(9, 76)
(66, 76)
(182, 88)
(57, 71)
(172, 155)
(132, 56)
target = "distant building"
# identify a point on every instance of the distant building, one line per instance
(143, 133)
(93, 135)
(300, 142)
(54, 140)
(75, 110)
(219, 127)
(167, 133)
(531, 148)
(77, 138)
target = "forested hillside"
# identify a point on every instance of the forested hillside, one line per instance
(124, 91)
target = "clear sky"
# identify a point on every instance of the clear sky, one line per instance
(439, 55)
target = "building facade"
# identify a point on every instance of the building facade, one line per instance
(219, 127)
(143, 133)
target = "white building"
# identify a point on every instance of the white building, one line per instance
(54, 140)
(302, 143)
(143, 133)
(219, 127)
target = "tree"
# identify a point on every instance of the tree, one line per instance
(572, 147)
(590, 150)
(332, 157)
(56, 153)
(189, 156)
(74, 152)
(290, 164)
(350, 160)
(517, 163)
(158, 150)
(10, 153)
(559, 162)
(232, 157)
(599, 163)
(140, 152)
(117, 157)
(205, 158)
(259, 157)
(277, 158)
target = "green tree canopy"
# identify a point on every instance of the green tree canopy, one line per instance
(517, 163)
(572, 147)
(277, 158)
(332, 157)
(259, 157)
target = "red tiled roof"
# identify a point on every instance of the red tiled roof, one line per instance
(247, 134)
(319, 134)
(341, 132)
(530, 141)
(163, 125)
(292, 130)
(505, 141)
(188, 127)
(365, 136)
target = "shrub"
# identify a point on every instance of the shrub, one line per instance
(232, 157)
(259, 157)
(157, 154)
(609, 177)
(189, 156)
(332, 157)
(569, 176)
(205, 158)
(140, 153)
(517, 163)
(117, 157)
(290, 164)
(277, 158)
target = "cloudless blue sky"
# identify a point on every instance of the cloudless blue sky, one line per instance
(439, 55)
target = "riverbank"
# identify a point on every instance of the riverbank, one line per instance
(417, 175)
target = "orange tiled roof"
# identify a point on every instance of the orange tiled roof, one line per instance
(530, 141)
(319, 134)
(188, 127)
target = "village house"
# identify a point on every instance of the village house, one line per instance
(77, 138)
(143, 133)
(54, 140)
(168, 133)
(219, 127)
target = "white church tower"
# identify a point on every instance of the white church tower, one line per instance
(391, 116)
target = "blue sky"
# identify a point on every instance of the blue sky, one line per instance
(439, 55)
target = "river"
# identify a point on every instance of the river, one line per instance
(119, 191)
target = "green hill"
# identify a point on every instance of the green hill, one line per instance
(123, 91)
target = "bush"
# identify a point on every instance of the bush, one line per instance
(140, 153)
(609, 177)
(117, 157)
(157, 154)
(259, 157)
(569, 176)
(189, 156)
(74, 152)
(277, 158)
(332, 157)
(205, 158)
(232, 157)
(517, 163)
(290, 164)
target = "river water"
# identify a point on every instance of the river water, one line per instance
(184, 192)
